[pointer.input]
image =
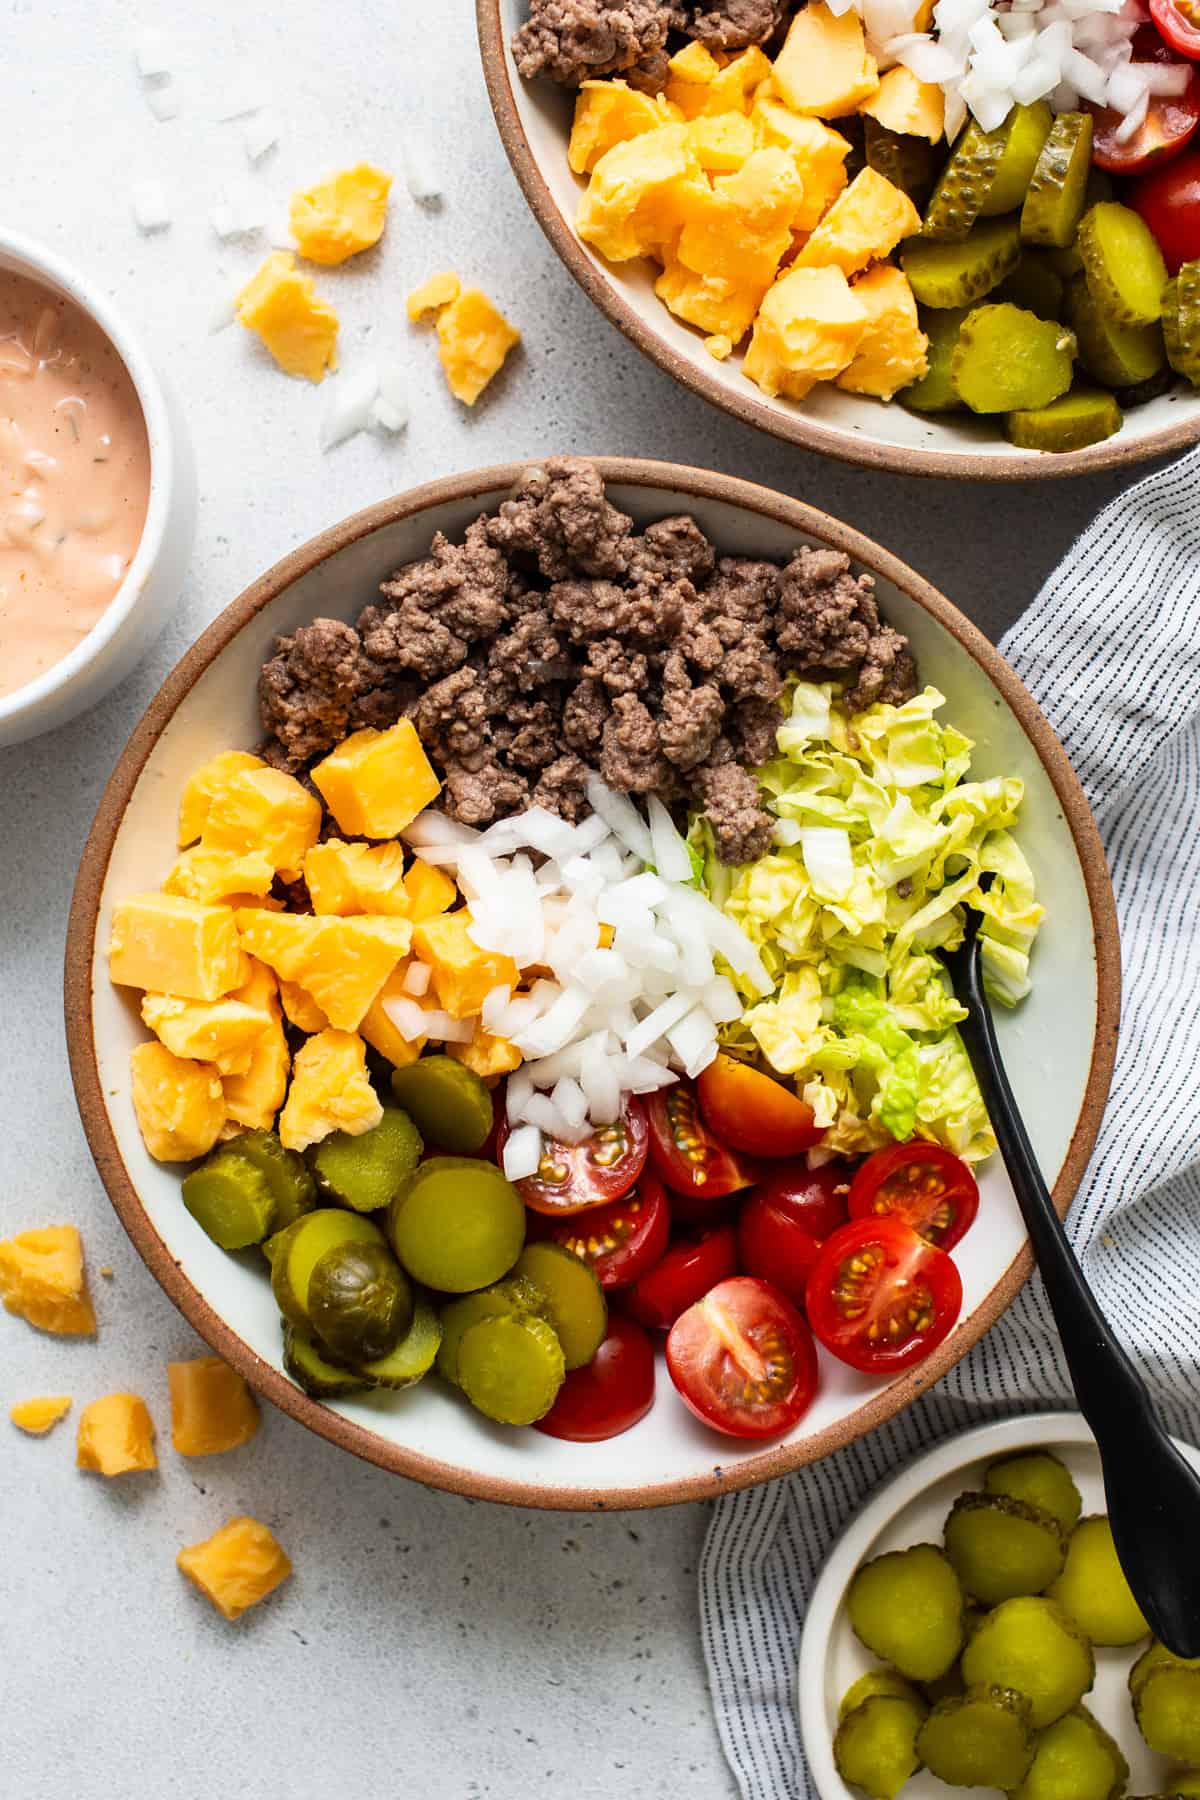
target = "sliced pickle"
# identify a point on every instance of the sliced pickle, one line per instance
(1123, 263)
(1093, 1588)
(1156, 1657)
(1120, 356)
(504, 1299)
(987, 172)
(1034, 286)
(364, 1172)
(1072, 422)
(360, 1301)
(297, 1251)
(413, 1356)
(907, 1607)
(1026, 130)
(934, 392)
(449, 1102)
(286, 1172)
(230, 1200)
(956, 274)
(909, 163)
(875, 1747)
(983, 1738)
(511, 1369)
(574, 1300)
(1075, 1759)
(457, 1224)
(308, 1366)
(1008, 360)
(1039, 1478)
(1032, 1645)
(1167, 1709)
(1181, 322)
(875, 1682)
(1058, 186)
(1001, 1547)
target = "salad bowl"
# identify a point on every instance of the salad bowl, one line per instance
(534, 121)
(1058, 1044)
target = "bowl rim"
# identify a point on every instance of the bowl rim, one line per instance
(484, 485)
(750, 408)
(49, 269)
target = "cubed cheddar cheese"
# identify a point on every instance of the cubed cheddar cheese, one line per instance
(339, 217)
(300, 1009)
(731, 245)
(891, 350)
(180, 1105)
(42, 1280)
(474, 341)
(41, 1414)
(330, 1091)
(824, 68)
(212, 1409)
(264, 811)
(376, 782)
(818, 153)
(463, 973)
(732, 89)
(169, 945)
(489, 1056)
(378, 1030)
(340, 963)
(611, 112)
(356, 878)
(640, 195)
(236, 1567)
(253, 1098)
(115, 1436)
(282, 307)
(689, 73)
(430, 297)
(808, 329)
(721, 142)
(219, 876)
(200, 788)
(222, 1032)
(430, 891)
(905, 105)
(862, 226)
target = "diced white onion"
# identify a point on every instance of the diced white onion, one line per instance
(1168, 79)
(672, 858)
(622, 818)
(163, 100)
(348, 408)
(260, 136)
(154, 54)
(522, 1151)
(417, 977)
(420, 170)
(151, 205)
(1133, 121)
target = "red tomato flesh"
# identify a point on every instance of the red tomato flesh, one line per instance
(925, 1185)
(690, 1267)
(1179, 26)
(685, 1154)
(622, 1240)
(1171, 119)
(744, 1360)
(610, 1393)
(1169, 201)
(785, 1222)
(751, 1112)
(572, 1177)
(880, 1298)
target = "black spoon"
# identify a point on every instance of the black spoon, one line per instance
(1153, 1494)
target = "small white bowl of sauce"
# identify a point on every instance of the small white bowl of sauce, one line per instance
(97, 494)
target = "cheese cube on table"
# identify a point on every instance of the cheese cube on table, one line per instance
(474, 339)
(42, 1280)
(463, 974)
(212, 1409)
(330, 1091)
(169, 945)
(40, 1414)
(236, 1567)
(282, 307)
(115, 1436)
(340, 217)
(376, 782)
(180, 1105)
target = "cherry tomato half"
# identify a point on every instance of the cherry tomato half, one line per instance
(785, 1222)
(684, 1275)
(572, 1177)
(744, 1360)
(926, 1185)
(622, 1240)
(1171, 119)
(881, 1298)
(685, 1154)
(750, 1111)
(610, 1393)
(1169, 201)
(1179, 25)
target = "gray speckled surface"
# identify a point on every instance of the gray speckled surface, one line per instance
(426, 1645)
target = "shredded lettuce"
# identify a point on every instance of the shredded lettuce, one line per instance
(880, 844)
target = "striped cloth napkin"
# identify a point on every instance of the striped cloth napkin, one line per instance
(1111, 649)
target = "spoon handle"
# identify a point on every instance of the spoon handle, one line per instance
(1153, 1494)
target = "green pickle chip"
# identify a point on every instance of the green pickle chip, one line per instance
(1002, 1547)
(457, 1224)
(1167, 1708)
(1075, 1759)
(983, 1738)
(1093, 1588)
(1033, 1646)
(875, 1746)
(448, 1101)
(907, 1607)
(1039, 1478)
(366, 1171)
(511, 1368)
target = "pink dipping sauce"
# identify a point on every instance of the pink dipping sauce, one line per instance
(74, 477)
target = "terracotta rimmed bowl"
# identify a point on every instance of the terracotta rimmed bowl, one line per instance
(534, 118)
(1059, 1046)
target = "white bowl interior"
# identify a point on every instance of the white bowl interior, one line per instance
(1047, 1043)
(912, 1510)
(545, 113)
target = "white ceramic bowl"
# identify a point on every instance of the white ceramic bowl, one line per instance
(1058, 1045)
(534, 118)
(139, 609)
(912, 1510)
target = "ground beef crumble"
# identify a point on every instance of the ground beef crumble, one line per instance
(572, 41)
(556, 638)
